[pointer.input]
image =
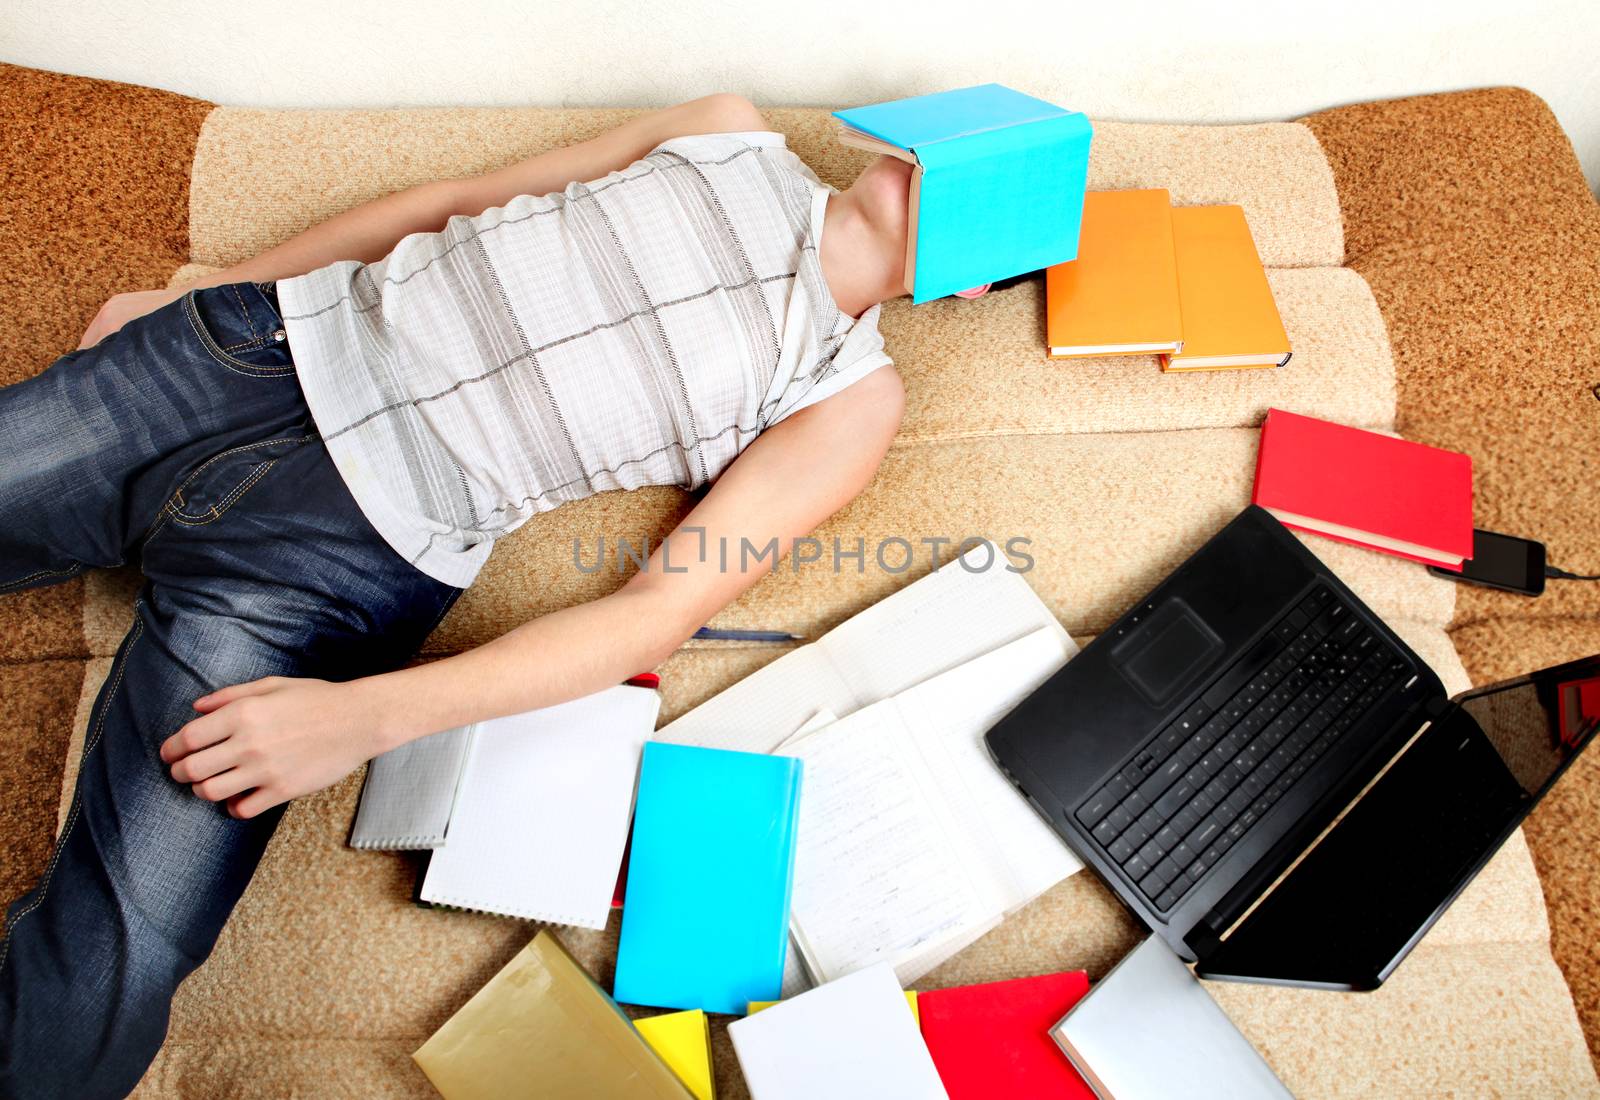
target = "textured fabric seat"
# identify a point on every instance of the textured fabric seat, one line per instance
(328, 977)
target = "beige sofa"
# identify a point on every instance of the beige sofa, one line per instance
(327, 977)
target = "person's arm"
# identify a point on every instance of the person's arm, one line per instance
(370, 231)
(262, 743)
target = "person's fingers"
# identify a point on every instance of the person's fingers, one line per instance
(195, 735)
(224, 786)
(249, 805)
(205, 763)
(223, 696)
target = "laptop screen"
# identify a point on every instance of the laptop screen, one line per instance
(1539, 722)
(1360, 899)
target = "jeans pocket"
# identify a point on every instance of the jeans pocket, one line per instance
(240, 329)
(217, 483)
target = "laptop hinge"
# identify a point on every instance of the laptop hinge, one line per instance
(1438, 706)
(1202, 941)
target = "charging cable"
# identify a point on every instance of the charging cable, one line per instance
(1563, 575)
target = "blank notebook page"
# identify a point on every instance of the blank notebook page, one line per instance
(852, 1039)
(542, 818)
(952, 615)
(946, 719)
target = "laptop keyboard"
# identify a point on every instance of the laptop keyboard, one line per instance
(1192, 791)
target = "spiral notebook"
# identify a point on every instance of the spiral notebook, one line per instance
(542, 819)
(410, 792)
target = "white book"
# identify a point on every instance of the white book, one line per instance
(912, 843)
(410, 792)
(1149, 1028)
(950, 616)
(852, 1039)
(542, 820)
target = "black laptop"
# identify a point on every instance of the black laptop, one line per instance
(1271, 778)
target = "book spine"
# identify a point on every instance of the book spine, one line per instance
(791, 844)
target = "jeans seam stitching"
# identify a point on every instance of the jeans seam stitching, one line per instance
(247, 321)
(77, 789)
(439, 618)
(216, 512)
(176, 493)
(153, 530)
(221, 357)
(75, 567)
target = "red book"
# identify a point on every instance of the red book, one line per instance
(993, 1040)
(1365, 488)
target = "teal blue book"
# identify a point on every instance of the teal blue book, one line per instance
(705, 917)
(997, 184)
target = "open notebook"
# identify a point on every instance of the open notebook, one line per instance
(952, 615)
(912, 842)
(542, 821)
(796, 978)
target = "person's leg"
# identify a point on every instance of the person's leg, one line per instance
(90, 448)
(260, 564)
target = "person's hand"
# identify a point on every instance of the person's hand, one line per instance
(261, 743)
(122, 308)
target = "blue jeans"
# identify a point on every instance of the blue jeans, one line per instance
(183, 442)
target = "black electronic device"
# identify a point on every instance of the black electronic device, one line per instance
(1501, 561)
(1268, 776)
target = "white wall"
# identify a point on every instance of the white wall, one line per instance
(1167, 60)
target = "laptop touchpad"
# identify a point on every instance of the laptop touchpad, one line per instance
(1166, 651)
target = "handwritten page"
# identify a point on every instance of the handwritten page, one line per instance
(912, 843)
(950, 616)
(540, 827)
(796, 978)
(874, 880)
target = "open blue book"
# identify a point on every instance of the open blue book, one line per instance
(997, 187)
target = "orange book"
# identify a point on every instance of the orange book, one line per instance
(1229, 317)
(1120, 296)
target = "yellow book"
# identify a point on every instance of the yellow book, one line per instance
(1120, 296)
(543, 1019)
(683, 1041)
(911, 999)
(1229, 317)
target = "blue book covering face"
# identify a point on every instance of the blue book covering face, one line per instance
(1001, 182)
(923, 119)
(705, 921)
(998, 204)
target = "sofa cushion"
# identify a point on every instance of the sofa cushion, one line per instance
(327, 976)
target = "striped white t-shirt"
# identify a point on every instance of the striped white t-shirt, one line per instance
(639, 329)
